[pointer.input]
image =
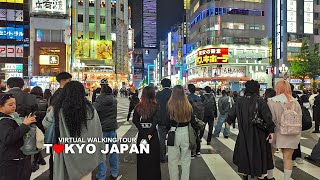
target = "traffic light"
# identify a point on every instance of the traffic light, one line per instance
(272, 70)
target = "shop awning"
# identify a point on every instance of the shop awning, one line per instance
(220, 79)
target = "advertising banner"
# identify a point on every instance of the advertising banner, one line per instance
(92, 51)
(212, 56)
(233, 71)
(51, 6)
(137, 61)
(11, 51)
(11, 33)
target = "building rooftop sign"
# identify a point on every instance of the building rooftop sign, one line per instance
(212, 56)
(50, 6)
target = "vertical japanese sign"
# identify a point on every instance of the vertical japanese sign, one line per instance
(292, 16)
(308, 17)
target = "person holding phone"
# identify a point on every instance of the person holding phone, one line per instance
(13, 163)
(252, 153)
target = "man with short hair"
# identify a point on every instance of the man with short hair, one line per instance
(224, 106)
(198, 110)
(63, 78)
(210, 111)
(2, 86)
(164, 124)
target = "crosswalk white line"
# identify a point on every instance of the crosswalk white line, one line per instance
(231, 144)
(41, 169)
(306, 167)
(219, 167)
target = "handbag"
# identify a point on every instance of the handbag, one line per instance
(171, 136)
(306, 119)
(257, 121)
(199, 125)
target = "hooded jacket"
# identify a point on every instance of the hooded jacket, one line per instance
(106, 106)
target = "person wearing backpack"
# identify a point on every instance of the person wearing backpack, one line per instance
(198, 110)
(210, 112)
(224, 106)
(41, 113)
(14, 164)
(287, 115)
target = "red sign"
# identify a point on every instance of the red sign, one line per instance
(212, 56)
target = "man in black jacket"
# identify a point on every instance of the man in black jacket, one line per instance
(164, 123)
(63, 78)
(106, 106)
(210, 112)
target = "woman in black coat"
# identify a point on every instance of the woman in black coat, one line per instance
(145, 118)
(252, 153)
(14, 164)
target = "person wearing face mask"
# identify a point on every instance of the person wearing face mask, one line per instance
(13, 163)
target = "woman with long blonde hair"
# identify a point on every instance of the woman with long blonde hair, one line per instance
(180, 114)
(287, 135)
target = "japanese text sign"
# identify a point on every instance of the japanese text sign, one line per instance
(212, 56)
(54, 6)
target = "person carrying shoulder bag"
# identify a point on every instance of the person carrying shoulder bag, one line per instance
(179, 151)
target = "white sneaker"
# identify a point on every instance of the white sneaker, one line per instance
(299, 161)
(198, 154)
(294, 164)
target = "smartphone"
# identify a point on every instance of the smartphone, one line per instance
(34, 113)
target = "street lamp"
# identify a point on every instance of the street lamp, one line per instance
(283, 68)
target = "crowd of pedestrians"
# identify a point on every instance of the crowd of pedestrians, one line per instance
(176, 116)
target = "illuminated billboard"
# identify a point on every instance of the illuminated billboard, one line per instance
(11, 33)
(12, 1)
(49, 60)
(51, 6)
(94, 50)
(11, 15)
(212, 56)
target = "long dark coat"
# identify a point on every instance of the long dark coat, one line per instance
(252, 153)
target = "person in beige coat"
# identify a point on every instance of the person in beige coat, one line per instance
(287, 143)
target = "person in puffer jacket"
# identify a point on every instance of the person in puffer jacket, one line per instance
(106, 106)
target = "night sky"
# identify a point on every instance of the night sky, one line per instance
(170, 12)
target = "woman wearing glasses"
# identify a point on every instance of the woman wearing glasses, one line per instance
(13, 163)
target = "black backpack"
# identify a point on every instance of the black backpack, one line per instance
(198, 108)
(306, 119)
(209, 104)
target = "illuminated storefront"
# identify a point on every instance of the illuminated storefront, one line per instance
(228, 67)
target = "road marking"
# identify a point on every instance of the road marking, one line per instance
(219, 167)
(230, 143)
(41, 169)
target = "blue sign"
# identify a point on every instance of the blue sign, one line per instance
(11, 33)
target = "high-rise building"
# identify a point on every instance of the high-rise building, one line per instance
(100, 41)
(14, 38)
(149, 23)
(229, 43)
(293, 20)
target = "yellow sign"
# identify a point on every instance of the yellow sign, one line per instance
(12, 1)
(98, 50)
(212, 56)
(49, 60)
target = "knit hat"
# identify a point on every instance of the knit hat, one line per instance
(104, 81)
(252, 87)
